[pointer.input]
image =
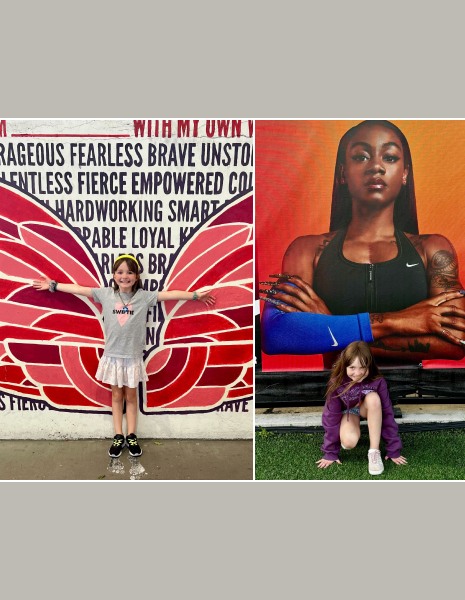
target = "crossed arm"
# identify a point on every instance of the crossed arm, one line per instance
(434, 328)
(433, 332)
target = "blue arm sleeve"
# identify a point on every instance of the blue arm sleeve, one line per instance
(309, 333)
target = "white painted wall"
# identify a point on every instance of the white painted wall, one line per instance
(54, 425)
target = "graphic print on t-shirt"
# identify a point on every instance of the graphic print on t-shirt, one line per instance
(122, 312)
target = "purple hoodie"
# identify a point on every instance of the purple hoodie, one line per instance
(332, 414)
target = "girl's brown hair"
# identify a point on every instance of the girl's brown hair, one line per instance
(360, 350)
(133, 265)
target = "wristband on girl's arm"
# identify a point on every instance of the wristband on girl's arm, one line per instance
(309, 333)
(195, 296)
(52, 286)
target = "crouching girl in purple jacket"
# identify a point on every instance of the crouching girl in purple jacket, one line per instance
(357, 389)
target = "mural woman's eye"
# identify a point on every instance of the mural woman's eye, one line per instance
(360, 157)
(391, 158)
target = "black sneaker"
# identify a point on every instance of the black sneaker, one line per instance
(117, 447)
(133, 445)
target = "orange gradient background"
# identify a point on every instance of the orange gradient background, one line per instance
(294, 182)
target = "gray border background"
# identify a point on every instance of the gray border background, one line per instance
(246, 59)
(249, 59)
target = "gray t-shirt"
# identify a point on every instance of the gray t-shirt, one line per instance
(125, 329)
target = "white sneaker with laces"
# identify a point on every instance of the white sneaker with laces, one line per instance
(375, 462)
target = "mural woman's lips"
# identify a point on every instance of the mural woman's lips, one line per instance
(375, 183)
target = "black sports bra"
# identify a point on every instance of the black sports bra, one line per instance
(349, 288)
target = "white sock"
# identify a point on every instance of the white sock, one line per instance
(373, 450)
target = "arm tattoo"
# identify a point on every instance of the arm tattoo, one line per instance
(417, 346)
(376, 318)
(417, 240)
(444, 271)
(444, 261)
(327, 238)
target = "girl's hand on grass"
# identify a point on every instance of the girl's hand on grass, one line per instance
(42, 285)
(323, 463)
(206, 298)
(399, 461)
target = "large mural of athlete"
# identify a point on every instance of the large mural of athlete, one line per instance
(371, 275)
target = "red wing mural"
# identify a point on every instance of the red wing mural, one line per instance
(50, 344)
(205, 357)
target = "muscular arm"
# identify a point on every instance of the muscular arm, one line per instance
(299, 326)
(311, 330)
(416, 348)
(443, 276)
(300, 258)
(442, 265)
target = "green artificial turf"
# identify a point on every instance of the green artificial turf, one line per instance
(430, 454)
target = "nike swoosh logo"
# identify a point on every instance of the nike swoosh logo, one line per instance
(334, 339)
(413, 265)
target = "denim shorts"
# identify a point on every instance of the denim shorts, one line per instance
(353, 411)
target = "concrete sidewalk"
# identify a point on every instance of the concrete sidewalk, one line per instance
(89, 460)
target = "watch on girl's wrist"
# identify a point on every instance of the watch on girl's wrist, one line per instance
(195, 296)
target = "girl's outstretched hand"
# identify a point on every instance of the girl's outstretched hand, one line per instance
(323, 463)
(206, 298)
(399, 461)
(42, 285)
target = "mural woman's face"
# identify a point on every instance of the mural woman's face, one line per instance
(374, 169)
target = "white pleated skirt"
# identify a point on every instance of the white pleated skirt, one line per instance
(127, 372)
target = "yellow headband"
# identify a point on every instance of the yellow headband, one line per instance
(127, 256)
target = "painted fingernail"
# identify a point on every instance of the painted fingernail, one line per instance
(462, 342)
(267, 282)
(271, 301)
(462, 292)
(281, 276)
(268, 291)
